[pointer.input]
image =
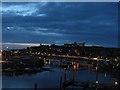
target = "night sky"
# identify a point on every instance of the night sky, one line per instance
(59, 23)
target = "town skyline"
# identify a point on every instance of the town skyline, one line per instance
(8, 46)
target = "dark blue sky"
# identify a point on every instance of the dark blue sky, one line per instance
(59, 23)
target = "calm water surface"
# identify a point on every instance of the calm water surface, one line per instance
(51, 79)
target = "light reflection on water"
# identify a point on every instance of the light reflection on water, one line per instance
(51, 79)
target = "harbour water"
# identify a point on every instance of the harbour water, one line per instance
(51, 79)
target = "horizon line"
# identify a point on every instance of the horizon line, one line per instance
(38, 44)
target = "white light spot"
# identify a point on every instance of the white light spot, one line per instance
(116, 83)
(8, 28)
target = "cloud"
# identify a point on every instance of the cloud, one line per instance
(22, 44)
(10, 45)
(59, 22)
(25, 9)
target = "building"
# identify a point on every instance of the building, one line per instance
(75, 44)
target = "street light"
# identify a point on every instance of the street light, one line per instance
(97, 82)
(96, 68)
(116, 83)
(7, 48)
